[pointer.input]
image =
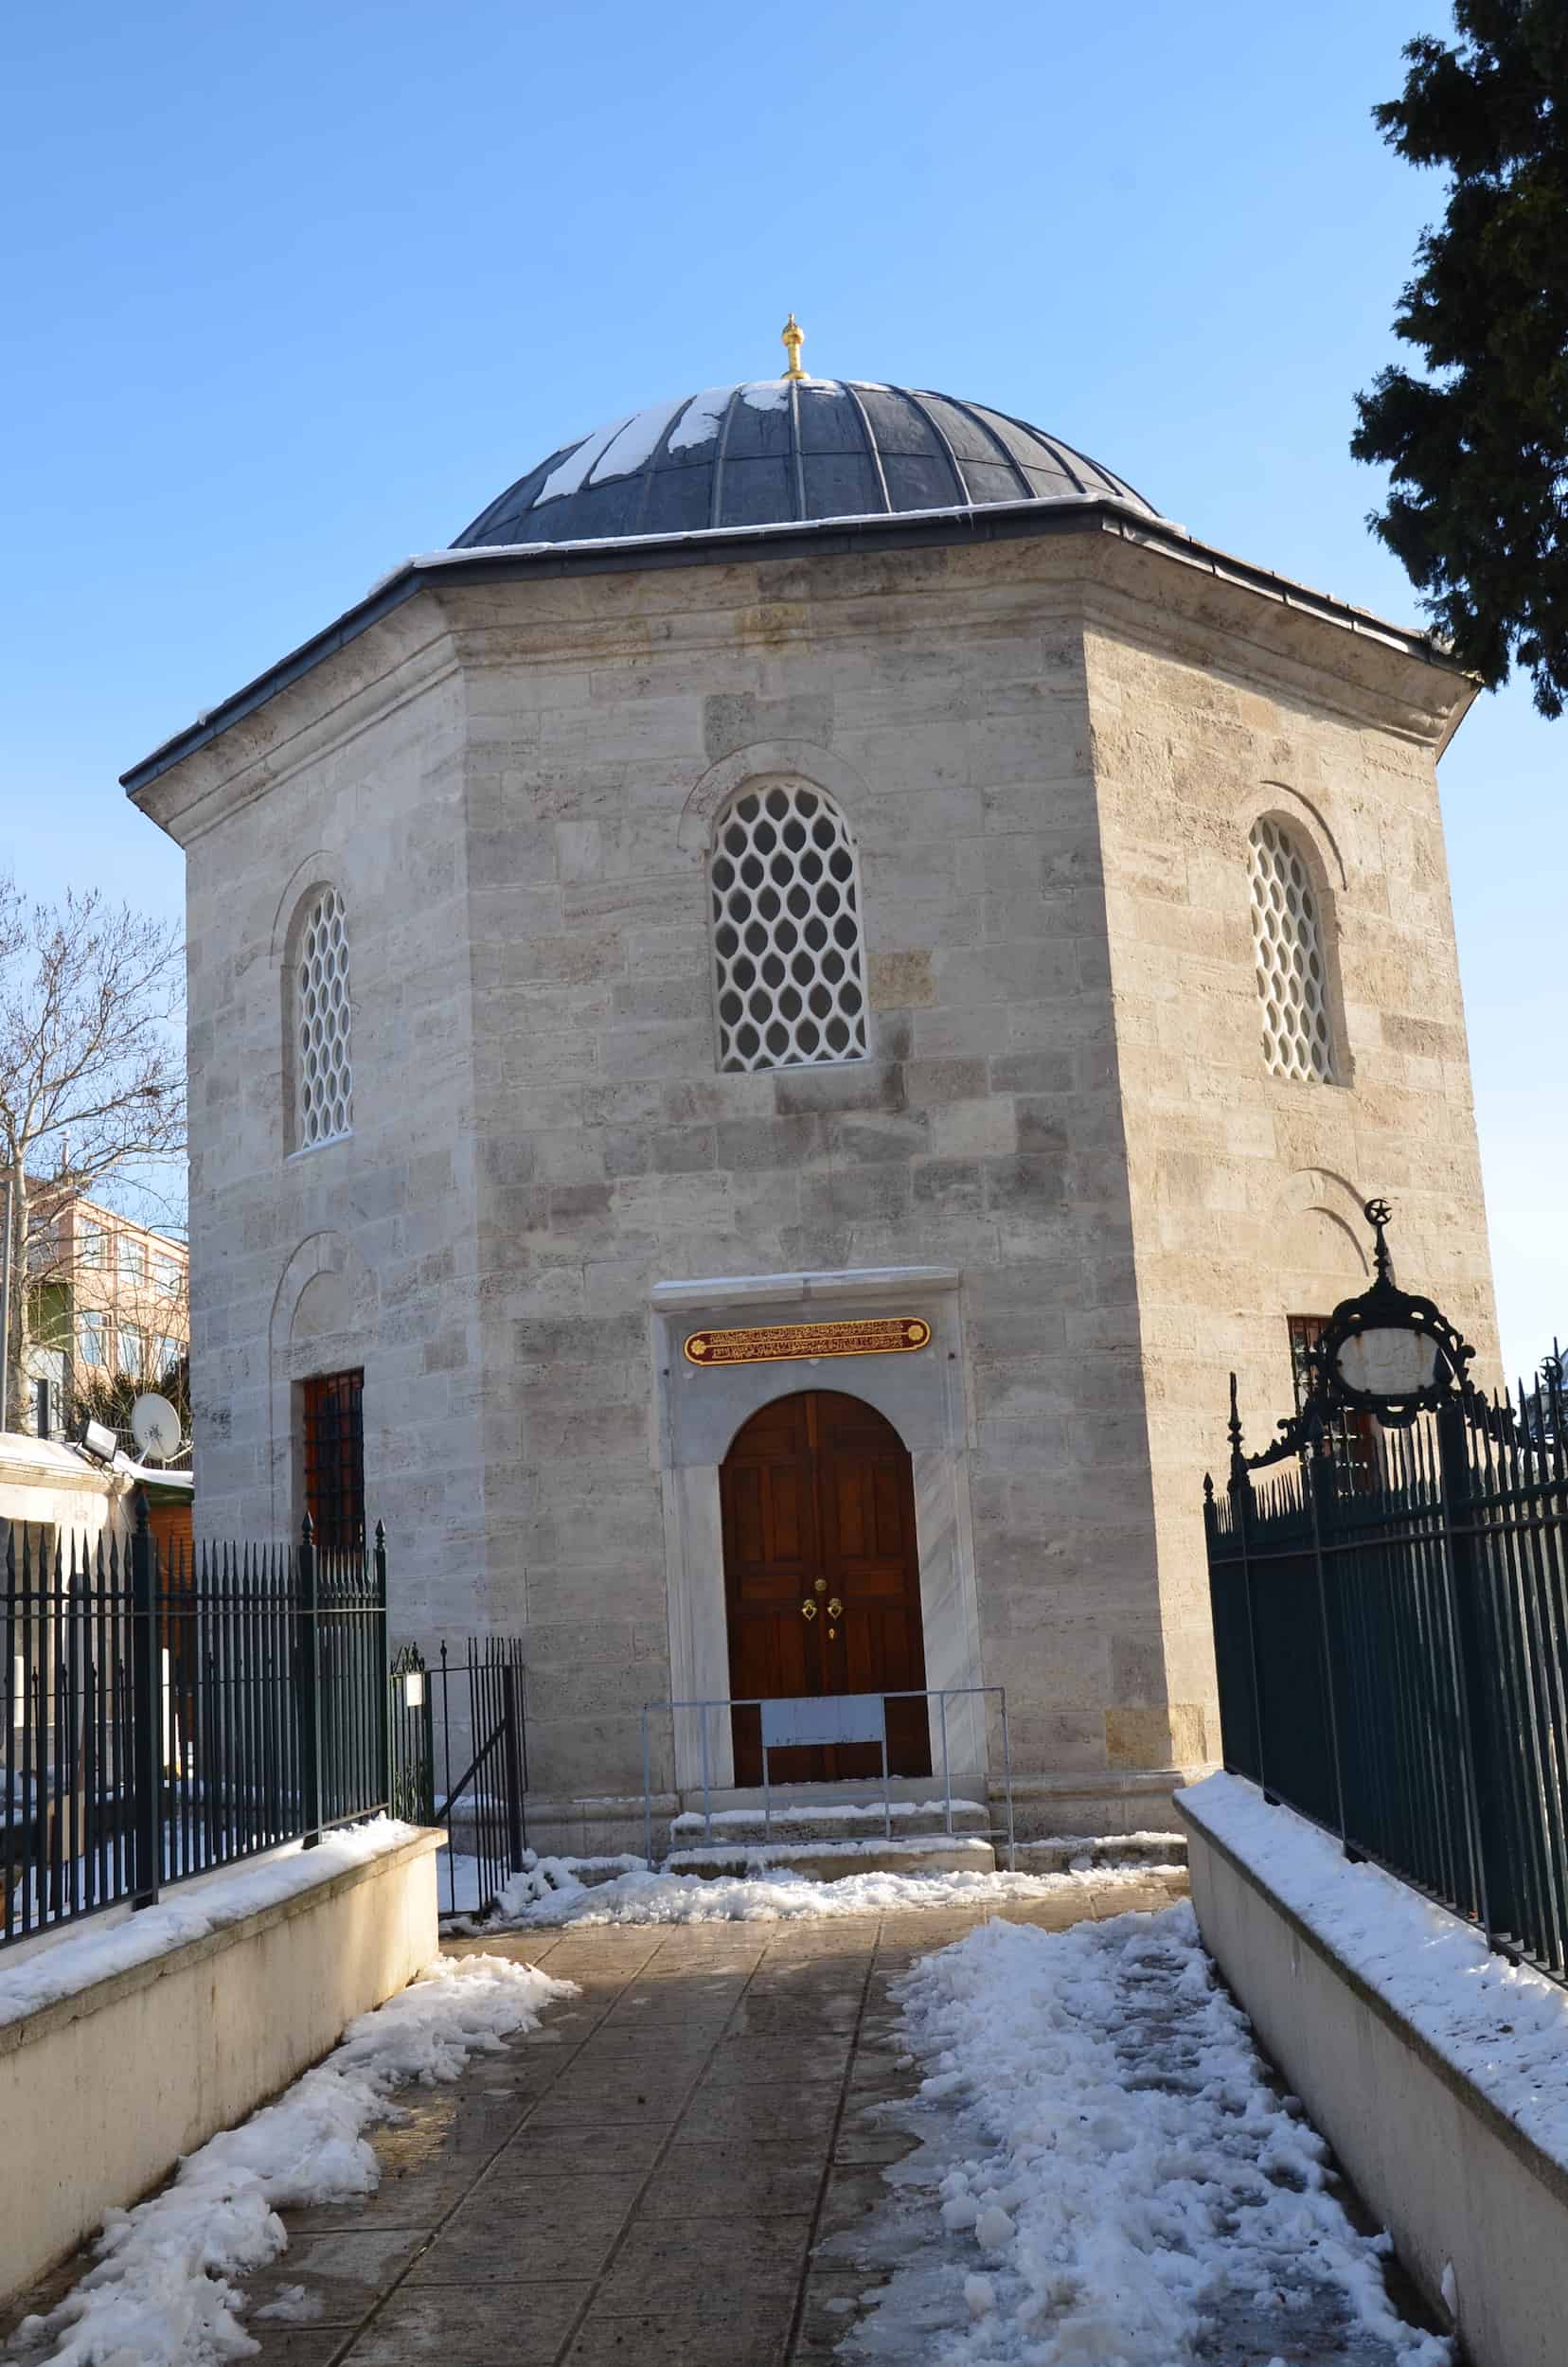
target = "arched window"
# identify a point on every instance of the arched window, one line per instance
(1293, 980)
(789, 962)
(323, 1074)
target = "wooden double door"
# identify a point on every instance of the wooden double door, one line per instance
(822, 1578)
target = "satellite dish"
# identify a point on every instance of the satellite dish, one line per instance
(155, 1427)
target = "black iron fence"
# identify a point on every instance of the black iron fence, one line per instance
(1391, 1634)
(165, 1713)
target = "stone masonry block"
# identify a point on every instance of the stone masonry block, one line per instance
(874, 1084)
(905, 979)
(745, 1143)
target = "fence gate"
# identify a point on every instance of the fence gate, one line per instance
(465, 1710)
(1391, 1627)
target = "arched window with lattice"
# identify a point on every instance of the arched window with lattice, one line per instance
(787, 949)
(321, 1062)
(1292, 957)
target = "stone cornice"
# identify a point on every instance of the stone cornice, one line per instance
(403, 661)
(1104, 535)
(1214, 619)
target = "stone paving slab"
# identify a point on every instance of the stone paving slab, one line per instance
(647, 2177)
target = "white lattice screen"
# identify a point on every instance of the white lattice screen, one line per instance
(1293, 987)
(324, 1081)
(790, 970)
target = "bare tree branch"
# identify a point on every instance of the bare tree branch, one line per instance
(92, 1070)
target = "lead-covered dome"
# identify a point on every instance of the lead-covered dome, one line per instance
(779, 450)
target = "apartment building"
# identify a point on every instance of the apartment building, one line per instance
(110, 1300)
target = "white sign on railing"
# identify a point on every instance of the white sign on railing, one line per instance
(815, 1719)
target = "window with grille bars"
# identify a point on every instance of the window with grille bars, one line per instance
(1355, 1434)
(789, 962)
(1293, 986)
(323, 1076)
(334, 1460)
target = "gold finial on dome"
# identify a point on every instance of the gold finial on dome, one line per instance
(794, 337)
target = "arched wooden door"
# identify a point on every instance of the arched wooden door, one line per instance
(822, 1578)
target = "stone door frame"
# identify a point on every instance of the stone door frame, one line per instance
(921, 1395)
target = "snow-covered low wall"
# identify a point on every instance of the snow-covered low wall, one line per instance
(131, 2040)
(1437, 2071)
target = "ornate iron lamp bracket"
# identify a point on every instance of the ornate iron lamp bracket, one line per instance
(1388, 1352)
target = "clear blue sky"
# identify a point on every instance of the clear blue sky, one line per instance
(293, 291)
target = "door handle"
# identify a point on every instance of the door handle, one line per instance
(808, 1609)
(835, 1609)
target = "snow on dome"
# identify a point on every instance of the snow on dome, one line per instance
(773, 451)
(700, 417)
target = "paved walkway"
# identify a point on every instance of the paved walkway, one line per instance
(647, 2177)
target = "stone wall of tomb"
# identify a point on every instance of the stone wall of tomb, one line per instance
(943, 707)
(1064, 1101)
(359, 1251)
(1247, 1188)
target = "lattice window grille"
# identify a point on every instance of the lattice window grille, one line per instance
(324, 1081)
(1293, 987)
(789, 976)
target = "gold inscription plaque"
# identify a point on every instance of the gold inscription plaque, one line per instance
(767, 1344)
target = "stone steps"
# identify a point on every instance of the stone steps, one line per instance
(857, 1842)
(1066, 1853)
(798, 1823)
(832, 1861)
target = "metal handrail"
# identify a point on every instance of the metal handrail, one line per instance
(942, 1695)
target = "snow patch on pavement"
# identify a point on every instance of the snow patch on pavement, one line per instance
(160, 2294)
(464, 1884)
(1498, 2025)
(1107, 2175)
(292, 2306)
(550, 1893)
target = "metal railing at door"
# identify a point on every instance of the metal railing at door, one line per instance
(818, 1720)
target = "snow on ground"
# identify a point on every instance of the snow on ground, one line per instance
(1107, 2179)
(1499, 2024)
(549, 1893)
(70, 1957)
(160, 2294)
(461, 1883)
